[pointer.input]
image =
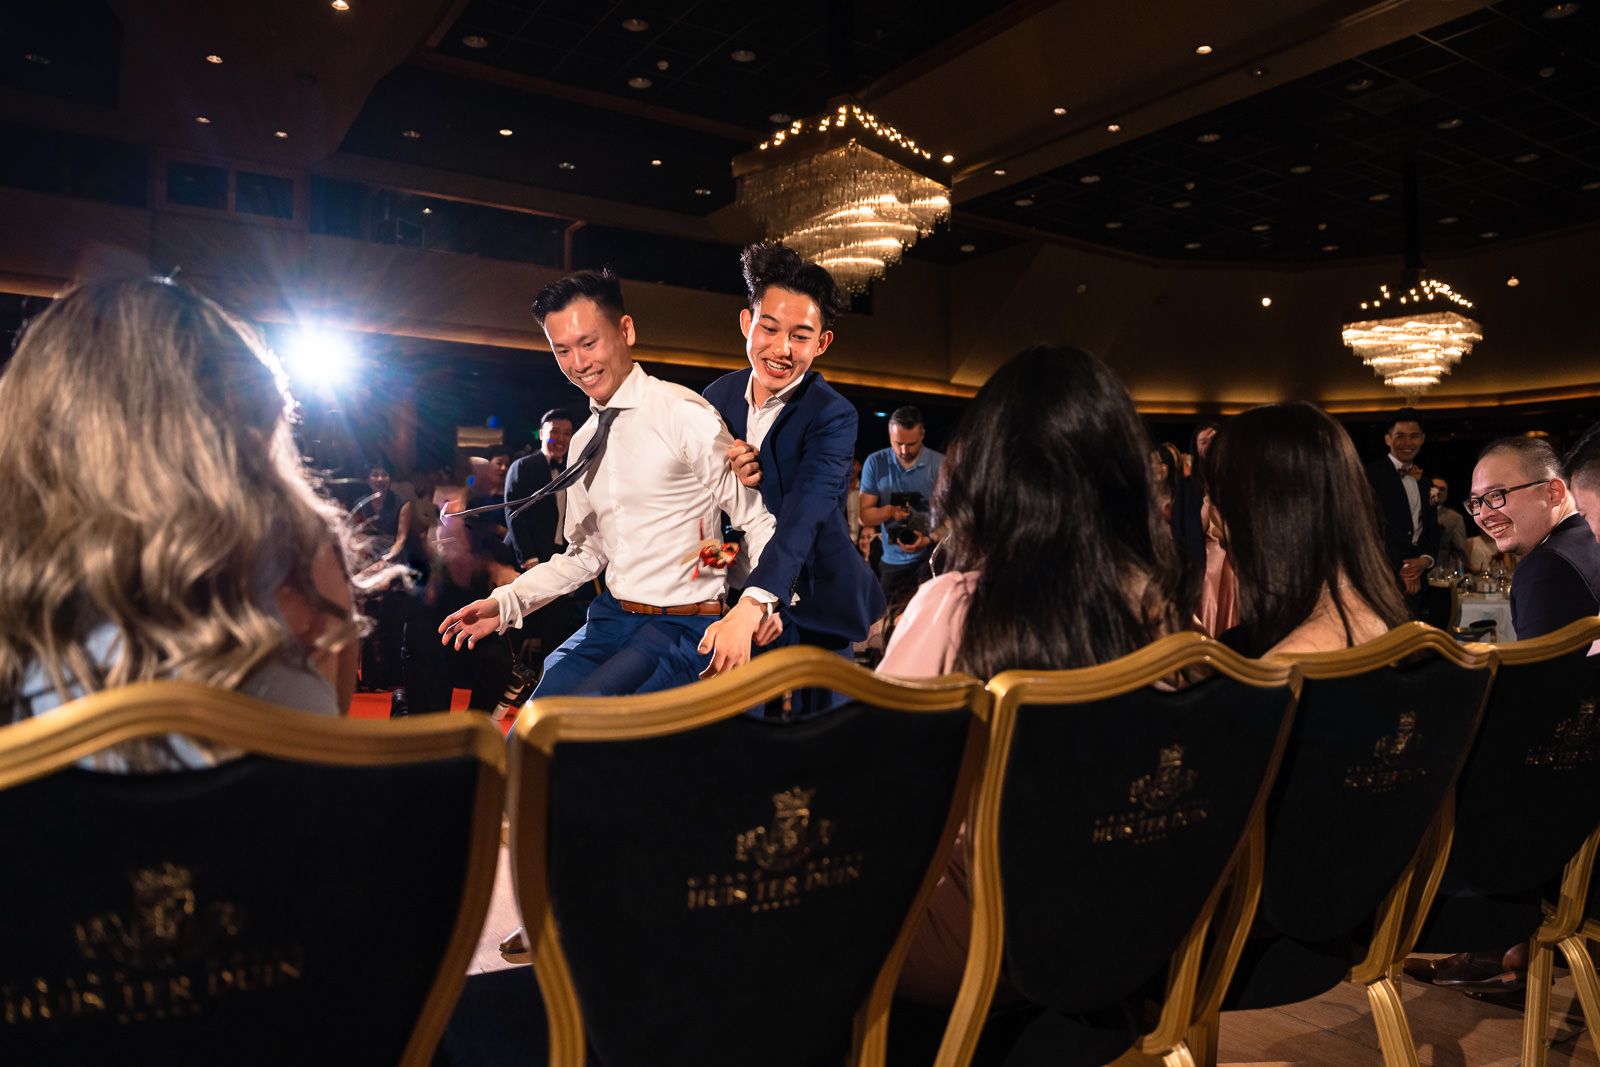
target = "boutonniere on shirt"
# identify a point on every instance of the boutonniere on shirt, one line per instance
(711, 553)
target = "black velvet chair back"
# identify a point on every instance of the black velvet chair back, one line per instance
(1382, 732)
(724, 889)
(1113, 809)
(313, 902)
(1530, 792)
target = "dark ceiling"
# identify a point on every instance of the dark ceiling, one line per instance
(1501, 108)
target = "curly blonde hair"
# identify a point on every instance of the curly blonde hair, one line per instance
(151, 482)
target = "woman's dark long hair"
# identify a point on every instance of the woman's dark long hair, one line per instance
(1047, 492)
(1300, 517)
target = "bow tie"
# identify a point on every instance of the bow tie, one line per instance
(1411, 470)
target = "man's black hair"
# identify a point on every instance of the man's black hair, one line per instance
(601, 286)
(772, 263)
(559, 413)
(1403, 415)
(1582, 464)
(907, 418)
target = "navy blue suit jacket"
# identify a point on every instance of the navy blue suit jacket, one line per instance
(1558, 582)
(805, 474)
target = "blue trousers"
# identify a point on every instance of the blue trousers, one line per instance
(617, 652)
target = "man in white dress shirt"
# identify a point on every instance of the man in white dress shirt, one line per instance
(658, 486)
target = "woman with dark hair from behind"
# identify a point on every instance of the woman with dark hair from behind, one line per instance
(1055, 557)
(161, 523)
(1302, 531)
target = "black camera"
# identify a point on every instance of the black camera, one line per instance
(907, 530)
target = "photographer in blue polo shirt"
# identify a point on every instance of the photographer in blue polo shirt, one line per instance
(896, 491)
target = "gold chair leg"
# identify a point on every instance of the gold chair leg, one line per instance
(1536, 1016)
(1179, 1056)
(1584, 978)
(1202, 1040)
(1394, 1034)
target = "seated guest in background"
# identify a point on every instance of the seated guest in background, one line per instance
(1298, 520)
(376, 516)
(1452, 527)
(1409, 528)
(794, 439)
(1521, 500)
(1058, 559)
(146, 425)
(896, 486)
(1582, 470)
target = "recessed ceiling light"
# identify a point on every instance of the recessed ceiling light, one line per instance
(1526, 157)
(1024, 202)
(1448, 220)
(639, 83)
(1322, 226)
(1547, 72)
(35, 57)
(1513, 281)
(742, 55)
(564, 165)
(1192, 245)
(213, 59)
(1448, 124)
(1590, 187)
(947, 158)
(1358, 85)
(1209, 138)
(1089, 179)
(969, 248)
(280, 134)
(1378, 197)
(1561, 11)
(1188, 187)
(1266, 301)
(1114, 128)
(1202, 50)
(1261, 227)
(1082, 288)
(202, 120)
(412, 134)
(505, 133)
(1330, 248)
(778, 116)
(1182, 203)
(427, 211)
(1259, 72)
(635, 25)
(340, 5)
(655, 162)
(1058, 111)
(1000, 172)
(702, 192)
(662, 64)
(472, 40)
(1489, 235)
(1113, 225)
(1300, 168)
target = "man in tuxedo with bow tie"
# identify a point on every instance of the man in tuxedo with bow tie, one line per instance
(1409, 525)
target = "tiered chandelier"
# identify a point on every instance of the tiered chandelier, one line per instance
(845, 191)
(1414, 335)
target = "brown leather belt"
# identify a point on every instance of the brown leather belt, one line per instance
(705, 607)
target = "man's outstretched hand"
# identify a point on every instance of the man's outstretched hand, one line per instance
(728, 639)
(477, 620)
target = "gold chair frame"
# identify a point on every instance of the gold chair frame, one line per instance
(1192, 976)
(547, 722)
(37, 747)
(1565, 925)
(1400, 913)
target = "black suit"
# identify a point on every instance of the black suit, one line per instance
(532, 534)
(1558, 582)
(1394, 521)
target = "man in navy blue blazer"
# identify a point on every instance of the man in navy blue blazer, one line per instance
(795, 438)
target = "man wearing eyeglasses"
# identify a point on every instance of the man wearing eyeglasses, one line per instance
(1520, 500)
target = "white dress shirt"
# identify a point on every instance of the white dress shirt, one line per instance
(759, 420)
(662, 483)
(1413, 497)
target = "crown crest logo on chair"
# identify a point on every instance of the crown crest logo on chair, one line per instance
(790, 839)
(1162, 789)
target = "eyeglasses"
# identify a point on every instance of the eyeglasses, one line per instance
(1495, 498)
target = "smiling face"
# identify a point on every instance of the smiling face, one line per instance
(554, 438)
(591, 347)
(782, 334)
(1405, 441)
(1528, 514)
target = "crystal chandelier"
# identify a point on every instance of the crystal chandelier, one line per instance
(845, 191)
(1415, 335)
(1419, 339)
